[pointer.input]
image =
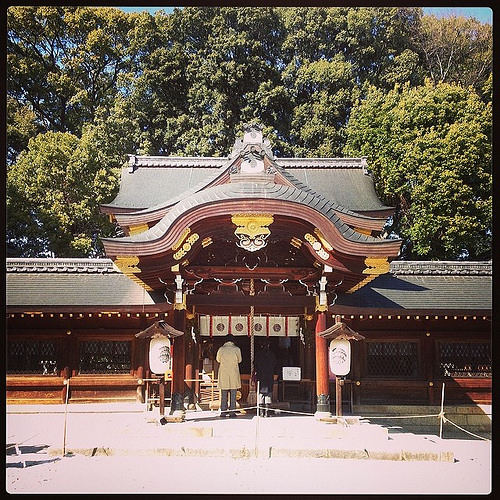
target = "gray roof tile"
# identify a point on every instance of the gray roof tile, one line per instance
(251, 191)
(423, 292)
(159, 181)
(70, 282)
(437, 286)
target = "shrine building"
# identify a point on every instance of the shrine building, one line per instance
(291, 250)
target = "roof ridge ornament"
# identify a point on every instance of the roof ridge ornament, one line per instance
(254, 146)
(252, 160)
(441, 267)
(252, 133)
(59, 265)
(132, 163)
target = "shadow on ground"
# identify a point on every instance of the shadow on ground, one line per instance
(27, 456)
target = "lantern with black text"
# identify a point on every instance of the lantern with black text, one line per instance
(160, 358)
(340, 357)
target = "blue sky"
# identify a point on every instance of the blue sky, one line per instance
(483, 14)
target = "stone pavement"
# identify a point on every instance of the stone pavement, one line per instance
(127, 429)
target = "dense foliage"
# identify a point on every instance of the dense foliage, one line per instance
(88, 85)
(431, 152)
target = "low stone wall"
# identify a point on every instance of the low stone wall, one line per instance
(473, 418)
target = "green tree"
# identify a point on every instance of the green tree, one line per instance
(455, 49)
(374, 40)
(330, 54)
(53, 195)
(64, 62)
(323, 92)
(208, 71)
(378, 44)
(430, 148)
(21, 126)
(184, 83)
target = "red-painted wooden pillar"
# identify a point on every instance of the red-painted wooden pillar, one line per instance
(322, 382)
(179, 361)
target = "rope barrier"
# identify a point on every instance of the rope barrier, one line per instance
(404, 416)
(465, 430)
(15, 445)
(440, 415)
(279, 410)
(276, 410)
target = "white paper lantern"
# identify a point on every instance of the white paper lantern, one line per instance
(160, 360)
(340, 357)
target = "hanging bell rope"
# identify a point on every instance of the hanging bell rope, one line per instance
(252, 340)
(252, 395)
(252, 331)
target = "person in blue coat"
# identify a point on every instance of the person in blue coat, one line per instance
(265, 368)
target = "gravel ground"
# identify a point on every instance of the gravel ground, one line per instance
(469, 474)
(37, 470)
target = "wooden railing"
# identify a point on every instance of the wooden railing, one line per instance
(207, 392)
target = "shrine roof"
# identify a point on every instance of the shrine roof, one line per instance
(150, 181)
(440, 287)
(249, 190)
(71, 282)
(425, 286)
(346, 182)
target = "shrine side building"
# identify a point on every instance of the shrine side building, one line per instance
(260, 247)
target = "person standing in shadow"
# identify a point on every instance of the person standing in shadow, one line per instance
(229, 358)
(265, 367)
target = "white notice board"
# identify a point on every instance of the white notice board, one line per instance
(291, 373)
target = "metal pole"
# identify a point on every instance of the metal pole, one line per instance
(258, 399)
(441, 415)
(66, 382)
(256, 447)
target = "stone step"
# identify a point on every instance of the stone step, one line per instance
(484, 410)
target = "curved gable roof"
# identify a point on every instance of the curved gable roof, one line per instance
(159, 211)
(250, 180)
(153, 181)
(264, 192)
(347, 181)
(150, 182)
